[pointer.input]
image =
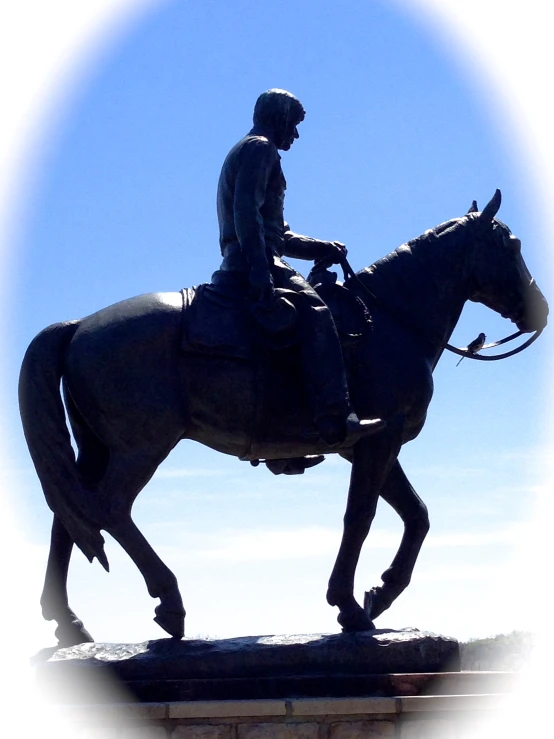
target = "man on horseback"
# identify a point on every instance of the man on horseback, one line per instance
(253, 239)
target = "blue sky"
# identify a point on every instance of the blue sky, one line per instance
(398, 137)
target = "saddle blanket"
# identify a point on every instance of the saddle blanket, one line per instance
(218, 324)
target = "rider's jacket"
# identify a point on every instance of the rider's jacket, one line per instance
(252, 233)
(250, 201)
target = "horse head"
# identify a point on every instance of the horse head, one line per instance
(500, 278)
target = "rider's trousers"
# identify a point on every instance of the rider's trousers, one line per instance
(322, 360)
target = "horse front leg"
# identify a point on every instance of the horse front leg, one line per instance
(399, 494)
(371, 462)
(54, 600)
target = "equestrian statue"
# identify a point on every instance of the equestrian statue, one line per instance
(263, 365)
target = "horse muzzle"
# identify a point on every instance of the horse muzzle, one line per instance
(533, 314)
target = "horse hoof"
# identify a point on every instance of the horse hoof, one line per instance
(375, 601)
(171, 621)
(355, 620)
(69, 635)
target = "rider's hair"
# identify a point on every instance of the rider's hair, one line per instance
(276, 107)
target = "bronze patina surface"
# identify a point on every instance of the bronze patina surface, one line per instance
(132, 392)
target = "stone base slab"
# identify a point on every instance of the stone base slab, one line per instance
(264, 667)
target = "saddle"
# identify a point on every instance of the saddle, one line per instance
(218, 321)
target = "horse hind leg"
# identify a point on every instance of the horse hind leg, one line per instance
(117, 477)
(126, 476)
(92, 463)
(160, 581)
(54, 600)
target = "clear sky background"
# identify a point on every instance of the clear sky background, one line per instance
(401, 133)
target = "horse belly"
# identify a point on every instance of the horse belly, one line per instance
(249, 411)
(286, 427)
(221, 402)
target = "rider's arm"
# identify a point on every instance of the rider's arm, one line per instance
(304, 247)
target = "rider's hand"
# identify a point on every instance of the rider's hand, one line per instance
(261, 285)
(336, 251)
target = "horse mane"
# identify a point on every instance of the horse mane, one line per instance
(426, 271)
(404, 272)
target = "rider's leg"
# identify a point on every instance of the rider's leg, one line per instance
(322, 362)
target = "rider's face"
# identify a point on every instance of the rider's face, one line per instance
(290, 133)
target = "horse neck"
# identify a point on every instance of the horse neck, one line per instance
(424, 284)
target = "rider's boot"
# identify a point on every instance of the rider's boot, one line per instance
(335, 429)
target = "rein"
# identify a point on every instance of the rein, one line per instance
(467, 352)
(470, 353)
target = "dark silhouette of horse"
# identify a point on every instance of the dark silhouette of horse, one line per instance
(131, 395)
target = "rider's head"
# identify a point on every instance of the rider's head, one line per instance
(278, 113)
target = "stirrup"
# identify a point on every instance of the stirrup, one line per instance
(291, 466)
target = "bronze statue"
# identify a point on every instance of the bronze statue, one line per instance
(253, 239)
(131, 394)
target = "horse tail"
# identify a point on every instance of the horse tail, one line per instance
(47, 436)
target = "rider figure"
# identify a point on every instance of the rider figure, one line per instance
(253, 240)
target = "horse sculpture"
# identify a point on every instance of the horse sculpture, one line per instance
(131, 394)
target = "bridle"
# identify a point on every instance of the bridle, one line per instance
(464, 352)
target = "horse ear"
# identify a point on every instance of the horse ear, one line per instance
(473, 207)
(491, 208)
